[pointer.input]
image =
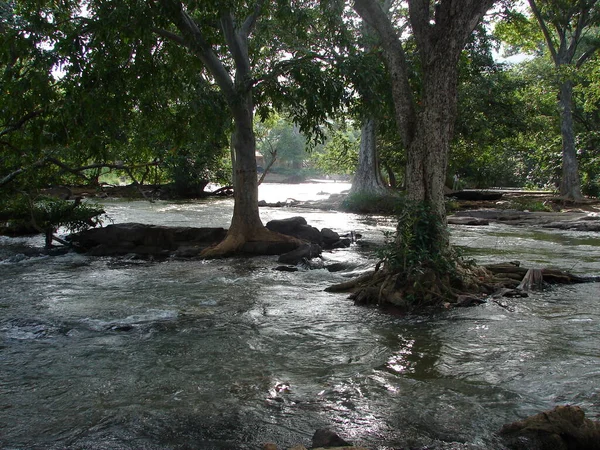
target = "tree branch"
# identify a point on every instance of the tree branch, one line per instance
(22, 121)
(169, 36)
(194, 40)
(372, 13)
(250, 21)
(77, 171)
(238, 46)
(545, 31)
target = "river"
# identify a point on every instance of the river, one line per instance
(107, 353)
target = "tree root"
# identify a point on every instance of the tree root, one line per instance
(260, 241)
(468, 285)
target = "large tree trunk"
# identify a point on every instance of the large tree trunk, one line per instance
(427, 153)
(367, 179)
(246, 218)
(570, 185)
(247, 232)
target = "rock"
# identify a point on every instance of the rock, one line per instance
(145, 240)
(468, 300)
(268, 248)
(475, 195)
(563, 428)
(286, 268)
(329, 237)
(471, 221)
(342, 243)
(327, 438)
(306, 251)
(296, 227)
(339, 267)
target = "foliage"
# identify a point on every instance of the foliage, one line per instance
(339, 155)
(419, 242)
(425, 267)
(280, 141)
(77, 88)
(23, 213)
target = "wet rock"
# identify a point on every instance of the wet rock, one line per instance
(286, 268)
(339, 267)
(329, 237)
(145, 240)
(326, 438)
(563, 428)
(342, 243)
(471, 221)
(268, 248)
(304, 252)
(296, 227)
(464, 301)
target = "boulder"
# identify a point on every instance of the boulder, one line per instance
(327, 438)
(304, 252)
(329, 236)
(471, 221)
(296, 227)
(145, 240)
(563, 428)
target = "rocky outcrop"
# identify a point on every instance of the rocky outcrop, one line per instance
(575, 221)
(146, 240)
(154, 241)
(298, 227)
(563, 428)
(302, 253)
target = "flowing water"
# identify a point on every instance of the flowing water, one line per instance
(107, 353)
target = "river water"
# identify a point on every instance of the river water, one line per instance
(105, 353)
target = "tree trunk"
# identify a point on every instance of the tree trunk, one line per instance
(570, 185)
(367, 179)
(427, 153)
(246, 218)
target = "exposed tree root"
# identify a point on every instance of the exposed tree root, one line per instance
(261, 241)
(468, 285)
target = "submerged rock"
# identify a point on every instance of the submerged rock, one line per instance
(302, 253)
(327, 438)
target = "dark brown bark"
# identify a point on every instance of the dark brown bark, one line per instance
(441, 32)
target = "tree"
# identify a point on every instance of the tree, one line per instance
(240, 48)
(569, 31)
(426, 121)
(237, 87)
(419, 267)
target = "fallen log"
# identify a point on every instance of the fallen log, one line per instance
(531, 277)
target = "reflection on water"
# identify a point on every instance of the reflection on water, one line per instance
(102, 353)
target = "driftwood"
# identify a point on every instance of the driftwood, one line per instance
(531, 278)
(384, 287)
